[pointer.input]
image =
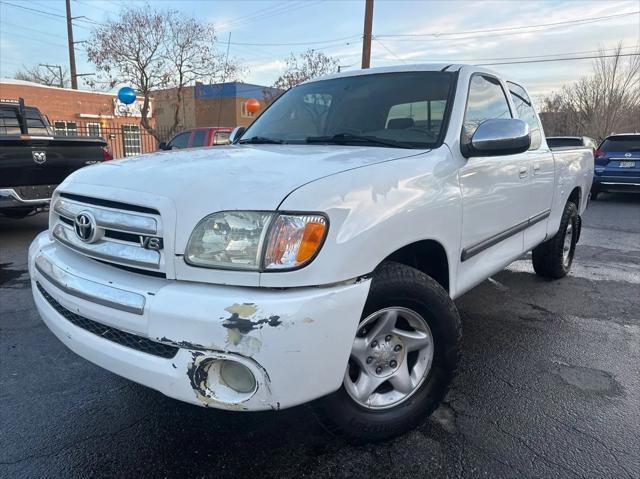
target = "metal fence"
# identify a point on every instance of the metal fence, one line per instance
(124, 140)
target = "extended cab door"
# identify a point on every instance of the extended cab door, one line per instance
(494, 191)
(541, 169)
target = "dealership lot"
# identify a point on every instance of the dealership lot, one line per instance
(549, 387)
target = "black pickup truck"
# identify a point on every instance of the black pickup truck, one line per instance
(33, 161)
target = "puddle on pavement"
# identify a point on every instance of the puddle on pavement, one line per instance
(12, 278)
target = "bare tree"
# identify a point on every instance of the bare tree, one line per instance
(305, 66)
(608, 100)
(45, 75)
(149, 50)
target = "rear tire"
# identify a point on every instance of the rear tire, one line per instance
(423, 310)
(553, 258)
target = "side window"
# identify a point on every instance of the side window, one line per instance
(486, 101)
(198, 138)
(181, 140)
(526, 112)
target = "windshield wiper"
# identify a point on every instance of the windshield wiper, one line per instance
(256, 140)
(343, 138)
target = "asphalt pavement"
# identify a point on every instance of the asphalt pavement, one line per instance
(549, 387)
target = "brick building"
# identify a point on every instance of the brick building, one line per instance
(221, 104)
(78, 112)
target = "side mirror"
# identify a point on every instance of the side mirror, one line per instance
(164, 145)
(496, 137)
(237, 132)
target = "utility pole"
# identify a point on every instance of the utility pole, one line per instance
(366, 37)
(72, 53)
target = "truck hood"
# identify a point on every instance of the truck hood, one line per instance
(232, 177)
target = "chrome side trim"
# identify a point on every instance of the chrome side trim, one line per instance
(618, 184)
(10, 195)
(89, 290)
(479, 247)
(108, 219)
(112, 251)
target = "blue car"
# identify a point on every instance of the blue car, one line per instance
(617, 164)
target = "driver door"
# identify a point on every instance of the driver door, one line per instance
(494, 192)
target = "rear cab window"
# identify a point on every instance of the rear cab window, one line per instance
(564, 142)
(9, 123)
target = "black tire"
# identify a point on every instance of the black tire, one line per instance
(548, 258)
(594, 194)
(397, 285)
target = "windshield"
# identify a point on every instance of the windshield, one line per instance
(406, 110)
(626, 143)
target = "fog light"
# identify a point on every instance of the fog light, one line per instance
(237, 376)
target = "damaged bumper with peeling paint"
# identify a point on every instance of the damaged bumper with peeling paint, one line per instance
(295, 342)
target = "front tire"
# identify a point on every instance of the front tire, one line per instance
(405, 354)
(553, 258)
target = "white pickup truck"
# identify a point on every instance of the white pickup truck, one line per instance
(316, 259)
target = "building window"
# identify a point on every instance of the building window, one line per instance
(131, 140)
(94, 129)
(65, 128)
(244, 112)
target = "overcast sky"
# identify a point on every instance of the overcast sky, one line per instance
(521, 29)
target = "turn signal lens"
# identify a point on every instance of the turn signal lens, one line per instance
(294, 240)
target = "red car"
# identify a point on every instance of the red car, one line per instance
(196, 137)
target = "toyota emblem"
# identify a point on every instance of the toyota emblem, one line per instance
(85, 226)
(39, 156)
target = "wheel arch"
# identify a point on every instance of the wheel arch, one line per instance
(576, 197)
(428, 256)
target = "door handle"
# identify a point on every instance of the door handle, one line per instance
(536, 168)
(524, 172)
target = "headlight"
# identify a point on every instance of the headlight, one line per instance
(256, 241)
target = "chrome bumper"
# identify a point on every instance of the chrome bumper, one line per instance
(90, 290)
(9, 198)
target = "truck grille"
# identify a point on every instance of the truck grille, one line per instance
(115, 335)
(112, 232)
(39, 192)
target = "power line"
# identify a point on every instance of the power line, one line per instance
(462, 60)
(41, 40)
(493, 30)
(387, 49)
(317, 42)
(562, 59)
(42, 12)
(21, 27)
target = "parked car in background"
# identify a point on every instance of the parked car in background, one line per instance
(197, 137)
(33, 161)
(317, 257)
(617, 164)
(556, 142)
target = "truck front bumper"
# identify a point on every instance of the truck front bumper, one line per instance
(175, 336)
